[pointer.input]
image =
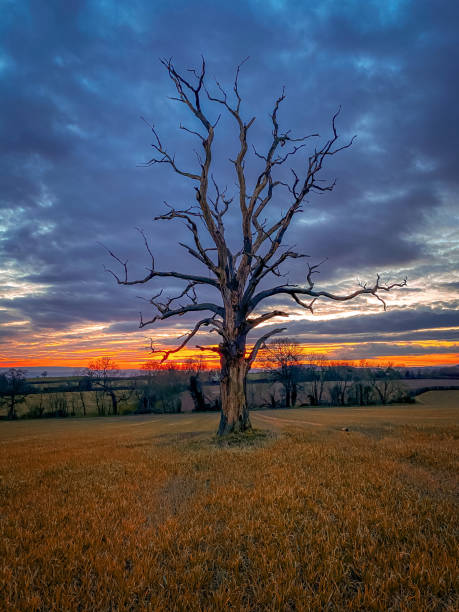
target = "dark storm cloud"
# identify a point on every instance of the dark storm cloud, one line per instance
(76, 76)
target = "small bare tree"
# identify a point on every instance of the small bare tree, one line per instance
(317, 367)
(13, 389)
(102, 373)
(341, 381)
(385, 382)
(238, 276)
(283, 360)
(84, 384)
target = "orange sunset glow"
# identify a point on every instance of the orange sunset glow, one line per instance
(75, 346)
(129, 355)
(211, 363)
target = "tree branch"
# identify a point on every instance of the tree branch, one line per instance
(201, 253)
(296, 290)
(166, 313)
(260, 342)
(251, 323)
(154, 273)
(190, 95)
(193, 332)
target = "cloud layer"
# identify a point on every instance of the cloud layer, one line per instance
(74, 79)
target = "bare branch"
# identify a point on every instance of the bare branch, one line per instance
(297, 290)
(262, 269)
(193, 332)
(251, 323)
(166, 313)
(166, 158)
(193, 228)
(299, 191)
(189, 94)
(155, 273)
(213, 349)
(239, 161)
(260, 342)
(308, 306)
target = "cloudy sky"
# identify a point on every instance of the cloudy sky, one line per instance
(75, 78)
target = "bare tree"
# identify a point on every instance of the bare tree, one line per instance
(160, 389)
(83, 385)
(385, 383)
(13, 389)
(341, 380)
(361, 392)
(317, 367)
(102, 372)
(238, 276)
(283, 362)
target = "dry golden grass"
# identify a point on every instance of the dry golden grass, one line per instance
(150, 512)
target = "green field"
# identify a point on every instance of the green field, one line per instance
(152, 512)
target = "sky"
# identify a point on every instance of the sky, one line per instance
(77, 76)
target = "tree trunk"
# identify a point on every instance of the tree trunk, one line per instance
(294, 394)
(197, 395)
(12, 408)
(114, 402)
(235, 412)
(83, 403)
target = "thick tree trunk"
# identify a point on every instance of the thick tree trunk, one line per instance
(235, 412)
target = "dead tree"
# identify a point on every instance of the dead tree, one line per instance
(238, 276)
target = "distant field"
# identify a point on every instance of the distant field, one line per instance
(150, 512)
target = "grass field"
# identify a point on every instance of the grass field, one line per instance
(151, 512)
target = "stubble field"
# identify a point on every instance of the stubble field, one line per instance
(151, 512)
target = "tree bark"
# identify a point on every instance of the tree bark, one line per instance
(233, 388)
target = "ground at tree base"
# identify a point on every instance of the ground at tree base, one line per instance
(153, 512)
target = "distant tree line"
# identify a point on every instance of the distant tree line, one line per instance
(328, 382)
(287, 378)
